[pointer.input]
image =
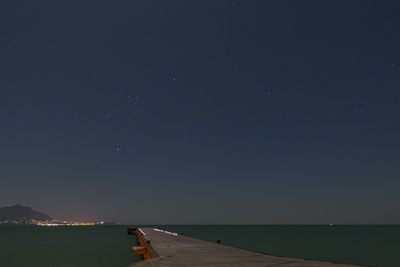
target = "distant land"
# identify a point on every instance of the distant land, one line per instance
(19, 214)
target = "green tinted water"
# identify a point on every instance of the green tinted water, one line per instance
(98, 246)
(364, 245)
(110, 245)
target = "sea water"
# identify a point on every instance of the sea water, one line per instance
(111, 246)
(371, 245)
(67, 246)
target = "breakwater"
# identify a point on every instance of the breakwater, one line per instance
(173, 249)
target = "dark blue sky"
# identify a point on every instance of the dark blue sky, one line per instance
(201, 111)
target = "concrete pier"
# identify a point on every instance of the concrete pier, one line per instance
(143, 249)
(177, 250)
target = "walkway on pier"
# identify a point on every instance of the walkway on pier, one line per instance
(176, 251)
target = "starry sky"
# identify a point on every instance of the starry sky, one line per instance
(152, 111)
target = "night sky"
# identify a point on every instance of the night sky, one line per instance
(156, 111)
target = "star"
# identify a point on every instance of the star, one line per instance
(359, 111)
(267, 93)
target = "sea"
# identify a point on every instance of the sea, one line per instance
(370, 245)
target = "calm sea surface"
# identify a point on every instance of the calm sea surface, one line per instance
(78, 246)
(110, 246)
(365, 245)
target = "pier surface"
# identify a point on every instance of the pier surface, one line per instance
(175, 251)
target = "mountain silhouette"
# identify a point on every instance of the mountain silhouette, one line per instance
(20, 213)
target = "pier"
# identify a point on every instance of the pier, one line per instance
(143, 249)
(173, 250)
